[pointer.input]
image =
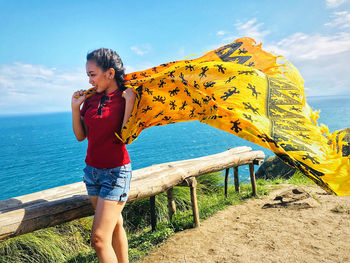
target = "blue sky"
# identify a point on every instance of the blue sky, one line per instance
(44, 43)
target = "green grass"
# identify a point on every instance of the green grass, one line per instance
(48, 245)
(300, 179)
(70, 242)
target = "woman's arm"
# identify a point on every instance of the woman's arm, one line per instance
(129, 96)
(79, 129)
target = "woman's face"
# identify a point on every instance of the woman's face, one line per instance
(97, 77)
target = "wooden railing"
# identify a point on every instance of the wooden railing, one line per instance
(27, 213)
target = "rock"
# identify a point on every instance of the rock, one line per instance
(296, 199)
(346, 148)
(295, 194)
(274, 167)
(346, 140)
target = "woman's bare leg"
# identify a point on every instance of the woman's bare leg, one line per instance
(107, 214)
(120, 241)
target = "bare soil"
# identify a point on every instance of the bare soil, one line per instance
(292, 224)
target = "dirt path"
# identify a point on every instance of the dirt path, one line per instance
(307, 226)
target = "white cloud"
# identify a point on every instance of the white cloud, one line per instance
(327, 75)
(251, 29)
(141, 49)
(340, 20)
(301, 47)
(29, 88)
(140, 66)
(334, 3)
(129, 69)
(321, 59)
(221, 33)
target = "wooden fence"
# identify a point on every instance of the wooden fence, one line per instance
(27, 213)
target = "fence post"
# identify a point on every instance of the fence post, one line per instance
(226, 180)
(193, 187)
(192, 183)
(153, 212)
(252, 178)
(235, 173)
(171, 203)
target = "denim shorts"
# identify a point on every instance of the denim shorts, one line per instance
(111, 184)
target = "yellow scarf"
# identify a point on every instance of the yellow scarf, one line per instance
(241, 89)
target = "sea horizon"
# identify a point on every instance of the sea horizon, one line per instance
(69, 110)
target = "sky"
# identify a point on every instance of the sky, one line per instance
(43, 44)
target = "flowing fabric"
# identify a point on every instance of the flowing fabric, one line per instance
(243, 90)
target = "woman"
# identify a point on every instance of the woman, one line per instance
(108, 169)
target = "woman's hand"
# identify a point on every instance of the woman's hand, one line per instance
(79, 129)
(129, 95)
(76, 102)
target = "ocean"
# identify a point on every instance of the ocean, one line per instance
(38, 152)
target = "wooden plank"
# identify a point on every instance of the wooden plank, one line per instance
(169, 176)
(52, 194)
(47, 214)
(222, 158)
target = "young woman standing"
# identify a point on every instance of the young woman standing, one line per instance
(107, 173)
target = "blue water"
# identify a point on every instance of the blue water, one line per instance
(38, 152)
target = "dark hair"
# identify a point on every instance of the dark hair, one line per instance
(107, 58)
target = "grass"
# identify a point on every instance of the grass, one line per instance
(48, 245)
(69, 242)
(300, 179)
